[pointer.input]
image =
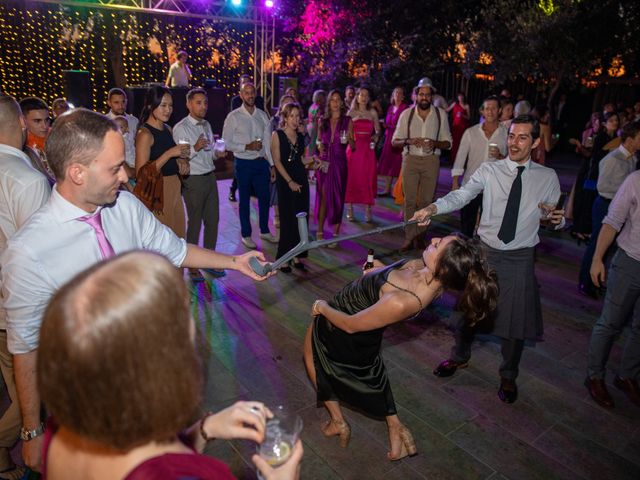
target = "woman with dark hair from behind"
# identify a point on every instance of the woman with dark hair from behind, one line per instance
(154, 143)
(122, 390)
(342, 345)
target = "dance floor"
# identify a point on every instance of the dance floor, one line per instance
(462, 429)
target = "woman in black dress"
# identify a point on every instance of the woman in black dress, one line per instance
(342, 346)
(287, 149)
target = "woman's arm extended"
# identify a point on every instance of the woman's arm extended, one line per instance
(391, 308)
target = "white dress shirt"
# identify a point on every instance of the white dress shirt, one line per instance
(494, 179)
(23, 190)
(427, 128)
(475, 145)
(129, 137)
(200, 162)
(53, 246)
(613, 169)
(241, 128)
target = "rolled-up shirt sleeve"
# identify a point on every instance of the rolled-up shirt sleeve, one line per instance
(457, 199)
(620, 207)
(26, 293)
(445, 131)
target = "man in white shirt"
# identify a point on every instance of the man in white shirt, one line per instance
(247, 133)
(117, 103)
(179, 72)
(423, 131)
(23, 190)
(86, 219)
(613, 169)
(486, 141)
(518, 193)
(200, 187)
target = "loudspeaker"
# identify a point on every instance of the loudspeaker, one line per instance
(77, 88)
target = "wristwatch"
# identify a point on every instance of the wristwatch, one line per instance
(27, 435)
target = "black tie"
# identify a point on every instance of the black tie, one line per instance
(508, 228)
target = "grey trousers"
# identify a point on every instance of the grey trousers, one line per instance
(200, 193)
(621, 302)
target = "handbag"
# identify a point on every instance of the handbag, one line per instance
(149, 187)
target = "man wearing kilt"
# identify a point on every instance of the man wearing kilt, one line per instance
(517, 195)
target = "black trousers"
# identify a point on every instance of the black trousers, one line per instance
(510, 348)
(469, 216)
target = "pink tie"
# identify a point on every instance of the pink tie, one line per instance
(95, 222)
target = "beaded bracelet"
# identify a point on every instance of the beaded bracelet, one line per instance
(203, 434)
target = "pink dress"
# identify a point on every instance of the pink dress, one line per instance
(458, 125)
(391, 158)
(361, 174)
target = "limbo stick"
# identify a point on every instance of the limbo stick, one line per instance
(305, 244)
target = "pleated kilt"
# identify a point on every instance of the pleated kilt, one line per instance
(519, 313)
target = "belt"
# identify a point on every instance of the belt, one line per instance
(202, 174)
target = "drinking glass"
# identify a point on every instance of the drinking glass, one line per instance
(281, 435)
(183, 141)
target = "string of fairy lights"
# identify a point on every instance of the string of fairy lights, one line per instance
(38, 44)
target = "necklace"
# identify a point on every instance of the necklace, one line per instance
(293, 148)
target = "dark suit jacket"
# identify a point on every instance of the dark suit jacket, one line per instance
(236, 102)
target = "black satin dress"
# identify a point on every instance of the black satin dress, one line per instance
(349, 366)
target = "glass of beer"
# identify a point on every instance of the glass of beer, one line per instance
(281, 435)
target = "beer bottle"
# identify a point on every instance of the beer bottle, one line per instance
(369, 263)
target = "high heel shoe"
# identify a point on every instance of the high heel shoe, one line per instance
(350, 216)
(343, 431)
(367, 215)
(407, 445)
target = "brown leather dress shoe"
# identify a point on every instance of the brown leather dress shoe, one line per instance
(630, 387)
(508, 391)
(448, 368)
(598, 391)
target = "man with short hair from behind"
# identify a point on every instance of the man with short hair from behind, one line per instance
(23, 190)
(200, 187)
(86, 219)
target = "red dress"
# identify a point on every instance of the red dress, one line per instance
(391, 158)
(459, 124)
(361, 163)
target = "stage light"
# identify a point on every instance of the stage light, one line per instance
(236, 3)
(268, 3)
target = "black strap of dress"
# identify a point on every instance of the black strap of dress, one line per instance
(409, 292)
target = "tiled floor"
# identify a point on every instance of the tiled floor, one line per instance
(461, 428)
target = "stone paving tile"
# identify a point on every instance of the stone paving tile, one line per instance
(364, 458)
(577, 452)
(273, 384)
(505, 453)
(521, 419)
(433, 406)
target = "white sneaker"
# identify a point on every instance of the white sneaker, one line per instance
(249, 243)
(268, 237)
